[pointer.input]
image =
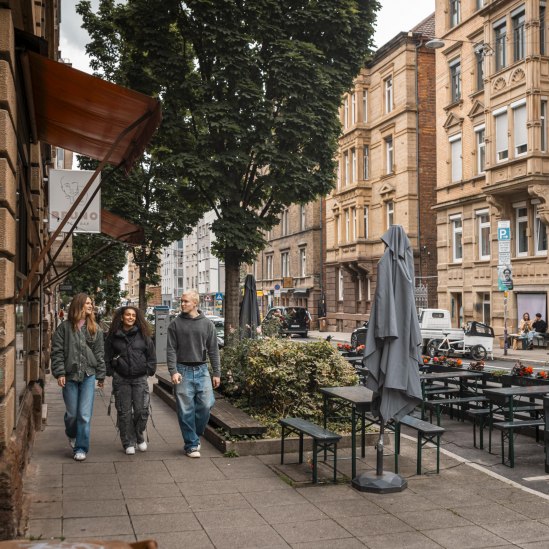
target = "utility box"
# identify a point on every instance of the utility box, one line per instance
(161, 322)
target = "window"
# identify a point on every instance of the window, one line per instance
(457, 247)
(500, 35)
(355, 229)
(390, 209)
(455, 80)
(340, 284)
(354, 165)
(389, 155)
(285, 264)
(302, 217)
(345, 111)
(483, 219)
(364, 105)
(389, 94)
(366, 228)
(479, 67)
(543, 128)
(540, 234)
(269, 259)
(302, 262)
(519, 42)
(353, 108)
(365, 162)
(521, 228)
(455, 12)
(485, 304)
(480, 4)
(285, 222)
(347, 171)
(542, 29)
(520, 132)
(347, 226)
(481, 149)
(502, 145)
(359, 288)
(455, 153)
(59, 158)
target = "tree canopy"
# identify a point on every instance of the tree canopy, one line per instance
(250, 92)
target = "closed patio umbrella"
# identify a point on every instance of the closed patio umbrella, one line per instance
(249, 309)
(392, 352)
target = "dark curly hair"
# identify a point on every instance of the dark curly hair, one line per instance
(142, 325)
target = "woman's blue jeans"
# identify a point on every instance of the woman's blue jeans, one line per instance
(194, 397)
(78, 397)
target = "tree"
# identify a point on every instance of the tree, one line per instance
(250, 91)
(100, 278)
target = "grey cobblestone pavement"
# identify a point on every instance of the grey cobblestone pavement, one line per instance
(249, 502)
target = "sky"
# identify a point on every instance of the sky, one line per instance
(395, 16)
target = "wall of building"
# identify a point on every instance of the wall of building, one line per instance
(26, 323)
(508, 186)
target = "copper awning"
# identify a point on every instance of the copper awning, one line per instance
(85, 114)
(118, 228)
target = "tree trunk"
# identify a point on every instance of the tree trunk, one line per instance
(142, 289)
(232, 295)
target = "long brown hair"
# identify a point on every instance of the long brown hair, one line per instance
(140, 321)
(76, 313)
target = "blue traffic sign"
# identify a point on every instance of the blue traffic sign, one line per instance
(277, 286)
(218, 296)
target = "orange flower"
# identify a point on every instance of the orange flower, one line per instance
(529, 370)
(459, 362)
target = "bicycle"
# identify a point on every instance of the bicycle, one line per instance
(477, 342)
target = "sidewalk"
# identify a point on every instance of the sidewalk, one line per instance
(243, 502)
(538, 357)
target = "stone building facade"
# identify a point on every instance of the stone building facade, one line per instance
(288, 271)
(387, 175)
(492, 89)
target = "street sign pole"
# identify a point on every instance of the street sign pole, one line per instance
(505, 344)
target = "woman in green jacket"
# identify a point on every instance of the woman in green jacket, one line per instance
(77, 362)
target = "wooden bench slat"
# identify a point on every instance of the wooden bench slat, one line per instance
(460, 400)
(309, 428)
(420, 425)
(519, 423)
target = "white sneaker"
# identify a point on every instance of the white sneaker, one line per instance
(142, 446)
(198, 447)
(72, 442)
(80, 456)
(130, 450)
(193, 453)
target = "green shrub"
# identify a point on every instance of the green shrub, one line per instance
(274, 378)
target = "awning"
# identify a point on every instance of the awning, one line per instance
(301, 291)
(118, 228)
(85, 114)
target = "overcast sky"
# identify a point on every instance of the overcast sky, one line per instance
(395, 16)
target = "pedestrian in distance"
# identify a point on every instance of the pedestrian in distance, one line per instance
(130, 357)
(191, 339)
(77, 362)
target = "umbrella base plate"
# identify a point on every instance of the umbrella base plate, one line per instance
(385, 483)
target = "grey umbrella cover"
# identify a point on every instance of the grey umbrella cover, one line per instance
(249, 309)
(393, 341)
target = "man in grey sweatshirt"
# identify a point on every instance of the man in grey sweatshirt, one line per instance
(191, 336)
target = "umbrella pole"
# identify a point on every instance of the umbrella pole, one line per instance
(381, 483)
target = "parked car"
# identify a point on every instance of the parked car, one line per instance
(358, 337)
(219, 323)
(293, 320)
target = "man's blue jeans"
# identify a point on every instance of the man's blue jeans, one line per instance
(194, 397)
(78, 397)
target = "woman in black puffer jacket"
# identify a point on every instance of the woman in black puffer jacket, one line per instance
(130, 357)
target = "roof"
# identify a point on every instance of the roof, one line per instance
(85, 114)
(426, 27)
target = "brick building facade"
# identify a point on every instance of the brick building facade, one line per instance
(387, 163)
(492, 90)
